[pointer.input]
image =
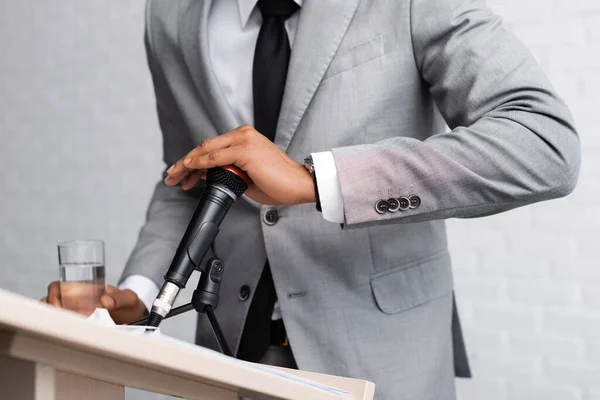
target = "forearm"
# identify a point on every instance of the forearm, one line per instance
(455, 176)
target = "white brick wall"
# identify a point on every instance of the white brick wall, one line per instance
(528, 281)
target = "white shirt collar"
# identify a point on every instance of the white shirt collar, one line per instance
(246, 6)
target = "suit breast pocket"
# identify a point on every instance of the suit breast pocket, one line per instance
(354, 56)
(408, 286)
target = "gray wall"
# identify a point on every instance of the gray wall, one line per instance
(80, 147)
(80, 151)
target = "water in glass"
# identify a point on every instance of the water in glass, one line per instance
(81, 286)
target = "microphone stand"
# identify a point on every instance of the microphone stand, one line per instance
(205, 301)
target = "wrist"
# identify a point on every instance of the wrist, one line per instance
(307, 187)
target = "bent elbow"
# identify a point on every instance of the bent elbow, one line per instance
(565, 171)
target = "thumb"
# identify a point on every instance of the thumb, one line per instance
(115, 298)
(107, 300)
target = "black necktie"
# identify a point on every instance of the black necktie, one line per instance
(271, 59)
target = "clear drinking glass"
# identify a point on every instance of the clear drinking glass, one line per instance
(82, 272)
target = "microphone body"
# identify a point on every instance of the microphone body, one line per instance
(200, 233)
(223, 187)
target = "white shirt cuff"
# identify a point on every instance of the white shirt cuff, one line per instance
(330, 191)
(144, 287)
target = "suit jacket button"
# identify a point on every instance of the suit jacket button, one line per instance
(381, 207)
(271, 217)
(393, 205)
(415, 201)
(404, 203)
(244, 293)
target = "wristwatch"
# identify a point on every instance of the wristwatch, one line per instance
(310, 166)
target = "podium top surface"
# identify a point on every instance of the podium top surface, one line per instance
(24, 317)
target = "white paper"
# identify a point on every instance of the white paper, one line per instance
(102, 316)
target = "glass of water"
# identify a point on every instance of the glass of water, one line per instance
(82, 272)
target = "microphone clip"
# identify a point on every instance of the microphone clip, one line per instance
(207, 292)
(205, 300)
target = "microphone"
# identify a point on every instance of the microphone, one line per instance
(223, 186)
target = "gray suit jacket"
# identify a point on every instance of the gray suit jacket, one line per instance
(366, 79)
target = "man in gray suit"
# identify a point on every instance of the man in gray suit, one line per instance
(363, 288)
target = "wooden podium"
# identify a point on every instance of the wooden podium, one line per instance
(52, 354)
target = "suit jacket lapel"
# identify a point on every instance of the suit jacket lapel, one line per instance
(321, 27)
(193, 36)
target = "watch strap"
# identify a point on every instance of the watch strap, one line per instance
(317, 198)
(310, 166)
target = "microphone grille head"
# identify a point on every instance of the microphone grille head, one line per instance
(228, 179)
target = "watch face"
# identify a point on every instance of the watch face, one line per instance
(309, 164)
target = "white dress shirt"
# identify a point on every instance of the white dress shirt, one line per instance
(233, 27)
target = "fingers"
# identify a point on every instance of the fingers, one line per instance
(217, 158)
(176, 173)
(213, 143)
(54, 294)
(115, 298)
(193, 178)
(211, 148)
(208, 145)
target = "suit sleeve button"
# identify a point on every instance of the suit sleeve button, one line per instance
(404, 203)
(393, 205)
(415, 201)
(381, 206)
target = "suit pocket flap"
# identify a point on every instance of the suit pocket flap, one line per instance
(359, 54)
(410, 285)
